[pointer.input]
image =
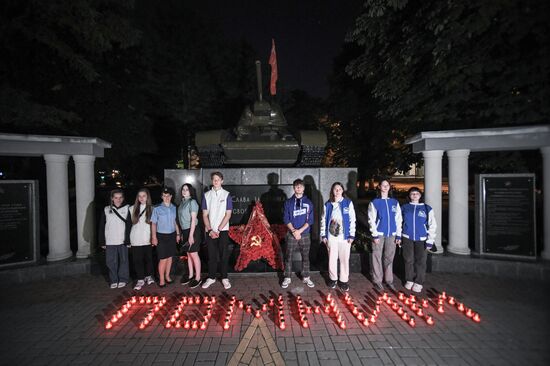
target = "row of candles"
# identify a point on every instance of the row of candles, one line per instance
(176, 319)
(417, 307)
(125, 308)
(451, 300)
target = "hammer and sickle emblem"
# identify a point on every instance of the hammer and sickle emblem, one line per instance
(256, 241)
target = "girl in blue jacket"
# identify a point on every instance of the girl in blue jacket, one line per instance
(385, 221)
(419, 228)
(338, 233)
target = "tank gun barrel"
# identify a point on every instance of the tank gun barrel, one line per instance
(259, 79)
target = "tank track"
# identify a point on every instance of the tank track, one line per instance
(211, 156)
(311, 156)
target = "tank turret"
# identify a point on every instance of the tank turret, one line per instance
(261, 137)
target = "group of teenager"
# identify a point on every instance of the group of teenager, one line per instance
(143, 226)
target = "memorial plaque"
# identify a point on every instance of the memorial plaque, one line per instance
(507, 215)
(272, 198)
(18, 223)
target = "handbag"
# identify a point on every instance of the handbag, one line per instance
(334, 228)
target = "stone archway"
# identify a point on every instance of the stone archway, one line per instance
(458, 144)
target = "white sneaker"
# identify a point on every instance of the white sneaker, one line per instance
(286, 282)
(226, 284)
(417, 287)
(409, 285)
(308, 282)
(121, 284)
(114, 285)
(149, 280)
(139, 285)
(208, 283)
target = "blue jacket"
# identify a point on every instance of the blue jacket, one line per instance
(419, 222)
(385, 217)
(298, 216)
(348, 218)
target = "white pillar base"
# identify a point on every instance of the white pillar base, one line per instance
(85, 212)
(432, 188)
(458, 201)
(545, 254)
(57, 185)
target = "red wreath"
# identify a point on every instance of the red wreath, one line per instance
(258, 239)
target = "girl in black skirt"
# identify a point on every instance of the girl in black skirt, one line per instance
(165, 233)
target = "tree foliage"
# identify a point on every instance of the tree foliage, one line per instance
(144, 75)
(453, 64)
(436, 65)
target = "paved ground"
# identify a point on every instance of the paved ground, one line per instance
(63, 322)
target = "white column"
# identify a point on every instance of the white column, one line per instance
(545, 254)
(57, 184)
(85, 214)
(458, 201)
(432, 188)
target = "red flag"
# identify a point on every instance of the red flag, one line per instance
(273, 63)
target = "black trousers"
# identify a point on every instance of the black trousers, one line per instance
(218, 255)
(143, 260)
(415, 255)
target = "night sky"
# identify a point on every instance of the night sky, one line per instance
(308, 35)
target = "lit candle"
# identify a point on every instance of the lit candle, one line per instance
(429, 320)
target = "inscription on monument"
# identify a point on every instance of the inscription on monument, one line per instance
(272, 198)
(509, 215)
(17, 236)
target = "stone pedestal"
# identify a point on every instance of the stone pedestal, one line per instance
(318, 182)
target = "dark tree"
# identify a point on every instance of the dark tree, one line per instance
(436, 65)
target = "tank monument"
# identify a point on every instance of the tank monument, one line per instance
(260, 158)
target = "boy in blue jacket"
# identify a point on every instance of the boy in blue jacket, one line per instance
(298, 217)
